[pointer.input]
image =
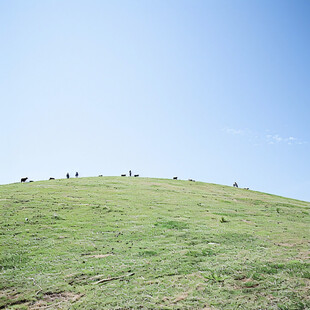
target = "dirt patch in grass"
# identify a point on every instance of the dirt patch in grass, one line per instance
(48, 301)
(181, 297)
(248, 222)
(77, 278)
(289, 245)
(304, 255)
(248, 283)
(99, 256)
(52, 300)
(11, 300)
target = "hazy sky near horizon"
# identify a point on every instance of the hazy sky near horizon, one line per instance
(217, 91)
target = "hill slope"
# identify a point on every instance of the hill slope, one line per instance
(130, 243)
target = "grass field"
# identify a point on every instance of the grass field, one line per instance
(139, 243)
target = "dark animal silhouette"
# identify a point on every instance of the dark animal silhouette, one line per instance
(235, 184)
(136, 175)
(52, 178)
(76, 174)
(130, 173)
(67, 175)
(123, 175)
(23, 180)
(175, 178)
(100, 175)
(30, 181)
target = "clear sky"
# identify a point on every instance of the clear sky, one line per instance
(217, 91)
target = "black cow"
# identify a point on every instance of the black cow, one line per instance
(22, 180)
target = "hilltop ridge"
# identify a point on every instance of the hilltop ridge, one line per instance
(154, 243)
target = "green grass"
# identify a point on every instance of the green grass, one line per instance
(137, 243)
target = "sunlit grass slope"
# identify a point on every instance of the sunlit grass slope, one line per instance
(138, 243)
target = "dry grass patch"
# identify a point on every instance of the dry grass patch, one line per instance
(55, 300)
(180, 297)
(99, 256)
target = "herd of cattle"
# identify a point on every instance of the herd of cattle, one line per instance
(23, 180)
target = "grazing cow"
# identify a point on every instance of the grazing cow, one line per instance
(76, 174)
(136, 175)
(52, 178)
(123, 175)
(22, 180)
(175, 178)
(191, 180)
(235, 185)
(30, 181)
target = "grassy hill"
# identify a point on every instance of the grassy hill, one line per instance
(138, 243)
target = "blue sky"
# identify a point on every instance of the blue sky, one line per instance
(217, 91)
